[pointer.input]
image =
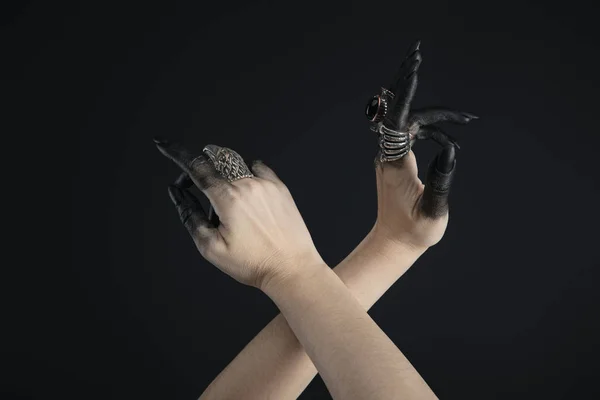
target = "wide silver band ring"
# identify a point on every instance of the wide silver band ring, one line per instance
(393, 145)
(228, 162)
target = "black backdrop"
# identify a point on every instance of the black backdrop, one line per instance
(504, 307)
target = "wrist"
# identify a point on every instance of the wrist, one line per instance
(382, 241)
(292, 275)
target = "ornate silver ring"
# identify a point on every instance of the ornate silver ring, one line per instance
(228, 162)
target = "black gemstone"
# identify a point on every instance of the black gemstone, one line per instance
(372, 107)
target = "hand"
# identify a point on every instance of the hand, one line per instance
(261, 234)
(408, 211)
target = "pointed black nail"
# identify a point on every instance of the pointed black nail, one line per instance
(411, 50)
(414, 47)
(184, 181)
(175, 194)
(445, 161)
(160, 141)
(470, 116)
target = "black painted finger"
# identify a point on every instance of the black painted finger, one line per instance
(404, 90)
(191, 213)
(411, 50)
(199, 168)
(434, 201)
(262, 170)
(436, 134)
(428, 116)
(176, 152)
(400, 74)
(184, 181)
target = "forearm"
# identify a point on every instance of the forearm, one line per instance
(355, 358)
(374, 266)
(274, 364)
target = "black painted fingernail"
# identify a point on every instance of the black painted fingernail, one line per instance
(445, 161)
(470, 116)
(160, 141)
(414, 47)
(175, 194)
(183, 181)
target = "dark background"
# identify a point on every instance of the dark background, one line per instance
(505, 307)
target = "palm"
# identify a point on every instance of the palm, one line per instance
(399, 217)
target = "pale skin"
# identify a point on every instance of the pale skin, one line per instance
(382, 257)
(262, 241)
(324, 326)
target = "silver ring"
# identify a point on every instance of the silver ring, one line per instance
(387, 92)
(228, 162)
(393, 144)
(378, 105)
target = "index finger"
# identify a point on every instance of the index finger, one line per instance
(199, 168)
(404, 87)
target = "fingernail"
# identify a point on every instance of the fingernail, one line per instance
(160, 141)
(183, 181)
(414, 47)
(445, 161)
(470, 116)
(175, 194)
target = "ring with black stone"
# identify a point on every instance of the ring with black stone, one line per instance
(378, 105)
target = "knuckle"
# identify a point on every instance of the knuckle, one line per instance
(206, 245)
(282, 188)
(254, 187)
(203, 245)
(185, 213)
(205, 249)
(231, 193)
(271, 186)
(199, 164)
(257, 166)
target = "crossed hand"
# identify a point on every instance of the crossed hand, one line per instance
(260, 235)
